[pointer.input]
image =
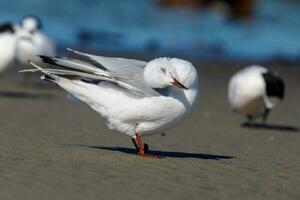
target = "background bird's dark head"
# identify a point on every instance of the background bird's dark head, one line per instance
(274, 85)
(7, 28)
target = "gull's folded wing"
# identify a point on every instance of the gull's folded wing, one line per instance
(129, 71)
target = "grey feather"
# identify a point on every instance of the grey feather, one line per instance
(77, 73)
(72, 63)
(128, 71)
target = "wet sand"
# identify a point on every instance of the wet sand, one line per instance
(51, 148)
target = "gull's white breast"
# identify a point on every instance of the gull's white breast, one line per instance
(128, 113)
(246, 90)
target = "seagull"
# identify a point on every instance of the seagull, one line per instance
(21, 42)
(254, 91)
(137, 98)
(32, 41)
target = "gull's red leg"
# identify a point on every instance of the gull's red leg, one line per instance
(141, 148)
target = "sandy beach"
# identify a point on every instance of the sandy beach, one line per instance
(51, 148)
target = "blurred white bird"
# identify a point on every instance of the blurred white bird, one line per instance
(7, 46)
(20, 43)
(32, 41)
(137, 98)
(254, 91)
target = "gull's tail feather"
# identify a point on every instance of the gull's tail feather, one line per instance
(69, 68)
(46, 75)
(80, 53)
(74, 51)
(72, 63)
(90, 58)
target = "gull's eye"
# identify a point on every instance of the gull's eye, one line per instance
(163, 70)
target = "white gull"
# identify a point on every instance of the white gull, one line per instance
(137, 98)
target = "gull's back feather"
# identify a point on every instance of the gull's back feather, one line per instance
(85, 70)
(72, 63)
(128, 71)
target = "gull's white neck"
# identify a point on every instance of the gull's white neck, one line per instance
(187, 97)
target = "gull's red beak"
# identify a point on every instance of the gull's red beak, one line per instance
(178, 84)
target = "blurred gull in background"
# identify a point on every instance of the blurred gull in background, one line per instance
(254, 91)
(35, 42)
(137, 98)
(7, 45)
(22, 42)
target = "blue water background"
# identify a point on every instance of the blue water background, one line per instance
(142, 26)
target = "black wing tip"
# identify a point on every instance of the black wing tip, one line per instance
(44, 56)
(91, 81)
(47, 78)
(47, 59)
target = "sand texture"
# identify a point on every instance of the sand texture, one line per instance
(51, 148)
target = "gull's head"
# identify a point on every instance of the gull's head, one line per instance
(166, 72)
(31, 24)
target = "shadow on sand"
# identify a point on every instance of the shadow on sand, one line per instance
(24, 95)
(170, 154)
(271, 127)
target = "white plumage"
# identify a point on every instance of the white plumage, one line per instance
(136, 97)
(7, 49)
(252, 91)
(32, 41)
